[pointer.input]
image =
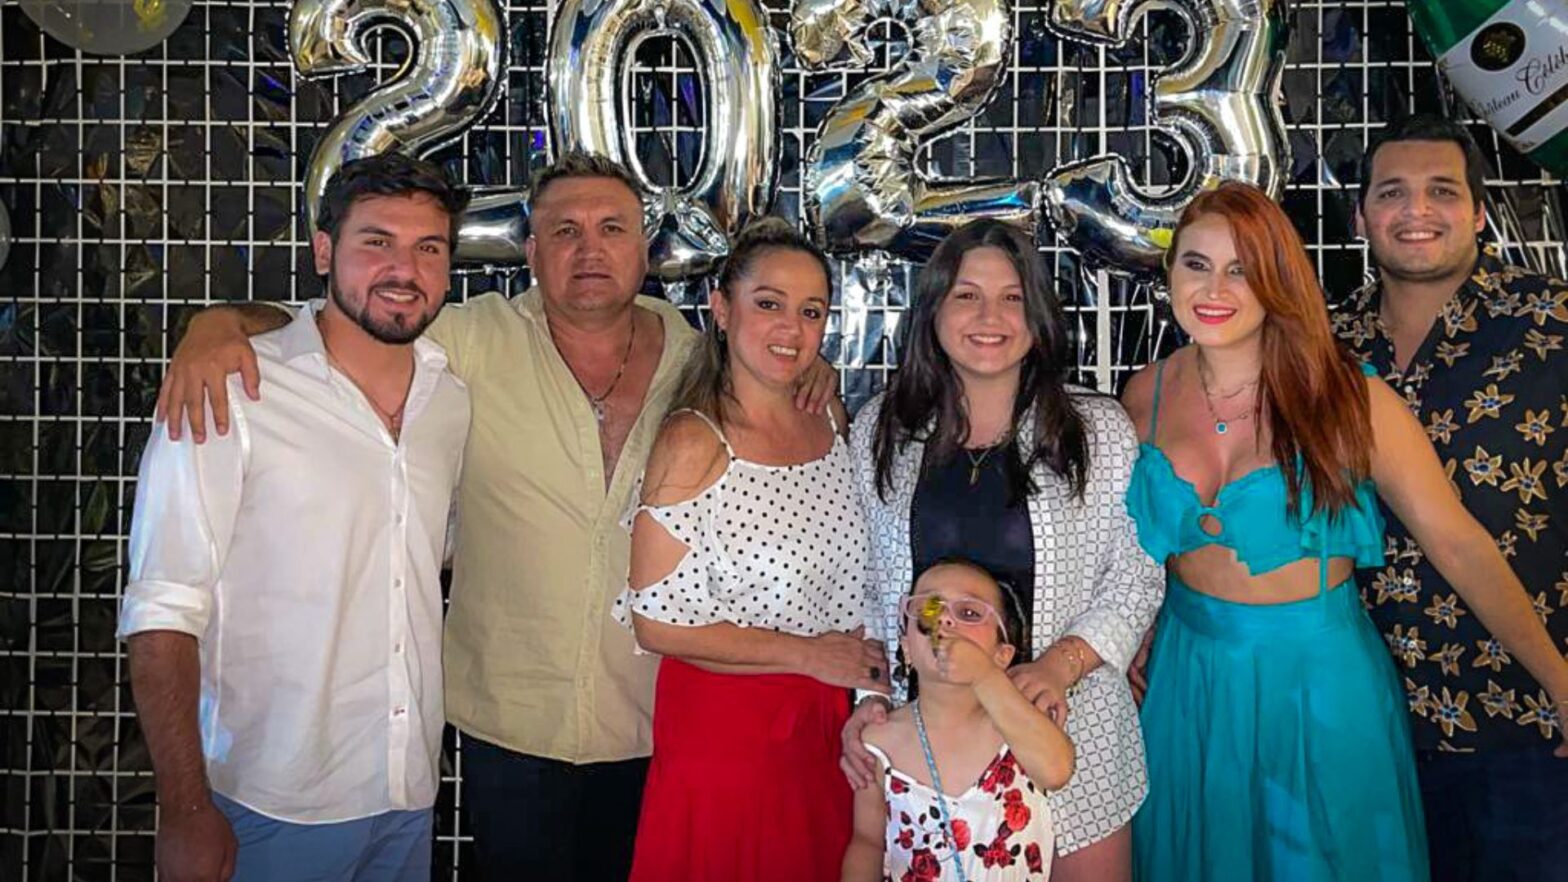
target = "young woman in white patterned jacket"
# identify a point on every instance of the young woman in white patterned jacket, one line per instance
(979, 447)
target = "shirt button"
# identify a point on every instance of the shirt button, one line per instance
(397, 648)
(397, 518)
(397, 583)
(399, 711)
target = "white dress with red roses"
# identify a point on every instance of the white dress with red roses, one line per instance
(1001, 825)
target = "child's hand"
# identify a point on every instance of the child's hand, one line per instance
(962, 661)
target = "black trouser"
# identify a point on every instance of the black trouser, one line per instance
(544, 819)
(1496, 816)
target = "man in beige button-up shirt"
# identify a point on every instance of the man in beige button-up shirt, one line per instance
(569, 383)
(554, 707)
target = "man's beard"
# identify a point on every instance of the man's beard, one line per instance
(391, 331)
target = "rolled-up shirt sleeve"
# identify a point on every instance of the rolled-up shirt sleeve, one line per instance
(187, 498)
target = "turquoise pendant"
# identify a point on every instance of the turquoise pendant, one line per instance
(1221, 427)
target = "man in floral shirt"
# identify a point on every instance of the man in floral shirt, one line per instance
(1477, 349)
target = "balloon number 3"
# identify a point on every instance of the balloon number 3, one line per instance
(1220, 104)
(592, 47)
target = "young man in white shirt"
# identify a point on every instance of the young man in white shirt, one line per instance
(283, 613)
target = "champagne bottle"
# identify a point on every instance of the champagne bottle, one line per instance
(1508, 59)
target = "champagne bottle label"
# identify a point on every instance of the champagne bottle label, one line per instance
(1513, 70)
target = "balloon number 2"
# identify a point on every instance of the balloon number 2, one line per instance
(452, 78)
(863, 190)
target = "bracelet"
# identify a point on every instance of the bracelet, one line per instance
(1075, 658)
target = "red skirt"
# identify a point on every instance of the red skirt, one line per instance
(745, 784)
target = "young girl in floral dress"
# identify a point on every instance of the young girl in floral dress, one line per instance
(967, 762)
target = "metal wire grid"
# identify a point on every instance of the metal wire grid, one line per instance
(141, 187)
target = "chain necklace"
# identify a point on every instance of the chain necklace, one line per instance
(392, 419)
(597, 401)
(1222, 424)
(946, 816)
(975, 462)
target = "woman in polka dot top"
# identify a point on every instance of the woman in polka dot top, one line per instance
(747, 575)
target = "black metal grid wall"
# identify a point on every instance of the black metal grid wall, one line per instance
(140, 188)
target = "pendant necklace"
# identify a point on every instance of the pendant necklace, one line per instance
(975, 462)
(1222, 424)
(392, 419)
(597, 401)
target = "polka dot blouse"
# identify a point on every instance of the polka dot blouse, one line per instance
(780, 547)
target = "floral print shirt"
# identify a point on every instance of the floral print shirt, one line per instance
(1001, 827)
(1490, 385)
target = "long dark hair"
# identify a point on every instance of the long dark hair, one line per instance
(924, 399)
(705, 383)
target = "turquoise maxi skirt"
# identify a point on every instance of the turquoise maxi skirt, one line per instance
(1278, 746)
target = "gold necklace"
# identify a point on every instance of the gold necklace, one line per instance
(1222, 425)
(975, 462)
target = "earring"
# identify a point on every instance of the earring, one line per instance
(900, 669)
(720, 334)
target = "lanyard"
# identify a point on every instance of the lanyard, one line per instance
(941, 798)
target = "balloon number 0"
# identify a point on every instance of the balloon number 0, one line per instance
(591, 52)
(1220, 104)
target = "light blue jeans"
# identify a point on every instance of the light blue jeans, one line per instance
(389, 847)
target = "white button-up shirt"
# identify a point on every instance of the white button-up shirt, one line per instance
(304, 550)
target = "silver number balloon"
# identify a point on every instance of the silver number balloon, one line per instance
(1220, 103)
(591, 51)
(452, 78)
(864, 189)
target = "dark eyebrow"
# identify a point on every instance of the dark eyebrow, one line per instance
(373, 230)
(973, 284)
(1399, 179)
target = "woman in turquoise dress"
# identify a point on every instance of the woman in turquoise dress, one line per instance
(1278, 745)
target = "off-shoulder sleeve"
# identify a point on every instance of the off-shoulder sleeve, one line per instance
(685, 596)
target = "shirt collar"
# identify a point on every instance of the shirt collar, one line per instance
(1369, 299)
(530, 305)
(301, 344)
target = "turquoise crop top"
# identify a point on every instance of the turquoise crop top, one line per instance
(1251, 512)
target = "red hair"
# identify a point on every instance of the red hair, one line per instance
(1314, 397)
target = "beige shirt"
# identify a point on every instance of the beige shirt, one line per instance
(534, 662)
